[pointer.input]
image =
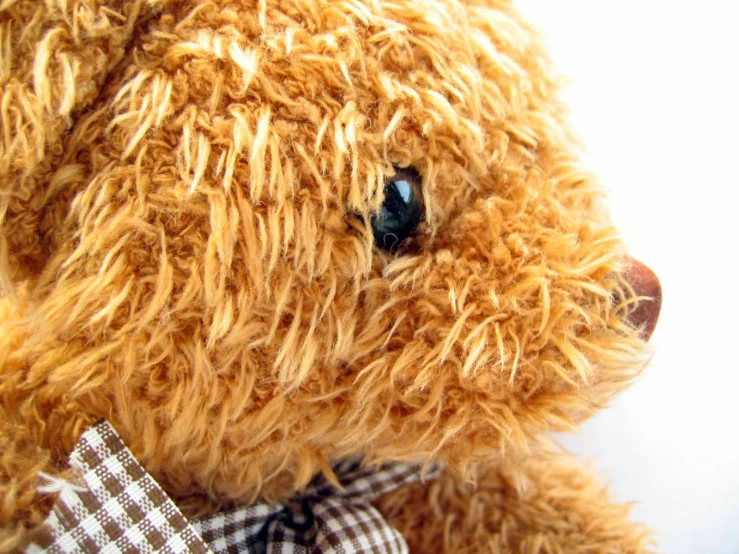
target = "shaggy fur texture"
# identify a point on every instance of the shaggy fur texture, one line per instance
(185, 198)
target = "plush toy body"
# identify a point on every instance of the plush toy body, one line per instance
(206, 240)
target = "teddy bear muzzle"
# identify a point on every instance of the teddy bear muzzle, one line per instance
(648, 291)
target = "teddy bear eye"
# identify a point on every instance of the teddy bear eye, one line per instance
(402, 210)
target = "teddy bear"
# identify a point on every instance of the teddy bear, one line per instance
(267, 245)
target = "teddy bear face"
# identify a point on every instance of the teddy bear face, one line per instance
(211, 282)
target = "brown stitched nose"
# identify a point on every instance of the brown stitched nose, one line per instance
(646, 286)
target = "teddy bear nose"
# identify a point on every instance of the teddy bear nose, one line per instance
(647, 287)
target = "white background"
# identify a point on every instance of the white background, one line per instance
(655, 99)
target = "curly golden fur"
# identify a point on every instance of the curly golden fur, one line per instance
(185, 204)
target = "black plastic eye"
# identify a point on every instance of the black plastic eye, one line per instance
(401, 211)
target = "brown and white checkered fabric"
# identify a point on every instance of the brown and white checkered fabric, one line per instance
(120, 509)
(116, 508)
(323, 519)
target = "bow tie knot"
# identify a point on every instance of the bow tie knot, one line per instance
(116, 503)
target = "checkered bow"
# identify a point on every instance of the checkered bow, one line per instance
(119, 508)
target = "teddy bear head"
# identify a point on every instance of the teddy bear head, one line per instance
(259, 237)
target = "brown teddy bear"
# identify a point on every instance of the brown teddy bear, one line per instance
(285, 247)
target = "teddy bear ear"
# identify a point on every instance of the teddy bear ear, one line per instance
(54, 59)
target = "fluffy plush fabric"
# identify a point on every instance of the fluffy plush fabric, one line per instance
(186, 250)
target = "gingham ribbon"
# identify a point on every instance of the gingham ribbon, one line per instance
(118, 508)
